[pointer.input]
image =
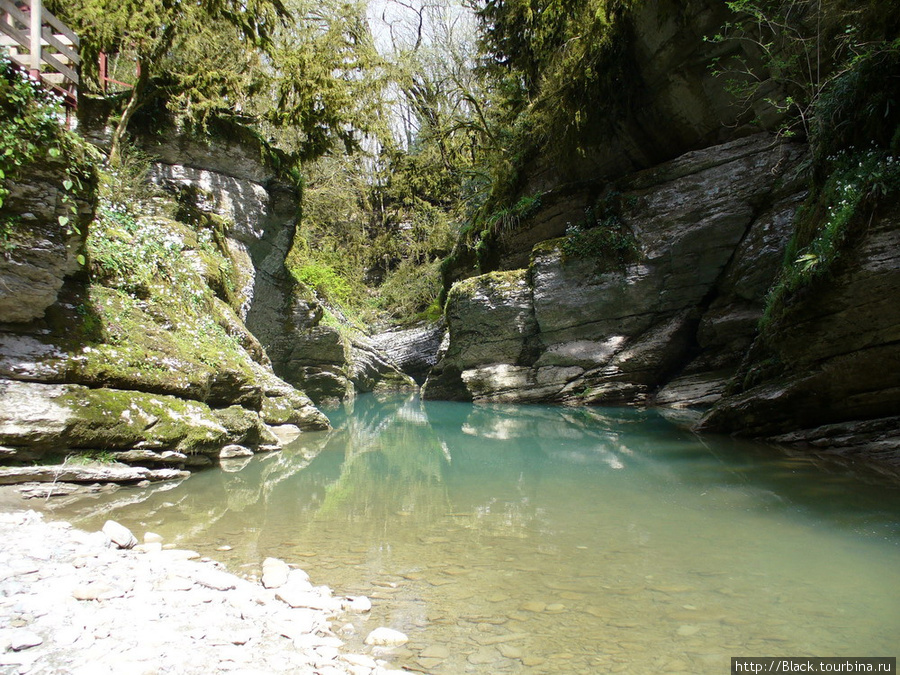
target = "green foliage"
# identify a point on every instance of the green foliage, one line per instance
(860, 107)
(31, 132)
(90, 457)
(506, 219)
(321, 88)
(603, 235)
(301, 71)
(606, 246)
(135, 247)
(327, 282)
(132, 256)
(370, 247)
(830, 219)
(855, 145)
(29, 124)
(561, 75)
(800, 46)
(570, 61)
(410, 291)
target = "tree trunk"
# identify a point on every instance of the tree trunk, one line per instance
(134, 102)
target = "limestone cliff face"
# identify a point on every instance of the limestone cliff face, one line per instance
(231, 179)
(334, 364)
(709, 228)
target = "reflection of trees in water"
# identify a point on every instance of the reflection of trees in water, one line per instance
(398, 467)
(393, 465)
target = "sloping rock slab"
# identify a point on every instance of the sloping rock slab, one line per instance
(69, 473)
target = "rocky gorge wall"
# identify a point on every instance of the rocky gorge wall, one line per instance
(677, 324)
(142, 354)
(709, 230)
(329, 362)
(828, 374)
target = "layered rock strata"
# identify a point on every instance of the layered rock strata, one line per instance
(828, 374)
(709, 230)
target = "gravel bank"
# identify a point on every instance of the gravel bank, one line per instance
(72, 602)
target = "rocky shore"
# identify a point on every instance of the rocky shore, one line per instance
(90, 603)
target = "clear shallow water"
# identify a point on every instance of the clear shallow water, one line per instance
(553, 540)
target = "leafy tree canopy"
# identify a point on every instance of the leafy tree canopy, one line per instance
(281, 64)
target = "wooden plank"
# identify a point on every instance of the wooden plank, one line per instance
(61, 27)
(19, 16)
(20, 59)
(64, 50)
(60, 68)
(16, 35)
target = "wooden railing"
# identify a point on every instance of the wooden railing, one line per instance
(42, 44)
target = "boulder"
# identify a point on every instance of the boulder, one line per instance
(386, 637)
(274, 573)
(118, 534)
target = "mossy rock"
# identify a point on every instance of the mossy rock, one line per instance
(112, 419)
(244, 426)
(293, 408)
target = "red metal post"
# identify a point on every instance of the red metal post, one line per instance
(103, 71)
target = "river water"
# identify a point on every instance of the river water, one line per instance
(530, 539)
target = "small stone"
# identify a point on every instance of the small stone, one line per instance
(435, 652)
(179, 554)
(301, 622)
(484, 656)
(152, 538)
(308, 599)
(67, 636)
(176, 583)
(233, 451)
(216, 580)
(386, 637)
(274, 573)
(24, 639)
(153, 547)
(118, 534)
(299, 578)
(360, 660)
(688, 630)
(92, 591)
(427, 663)
(532, 661)
(534, 606)
(358, 603)
(510, 651)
